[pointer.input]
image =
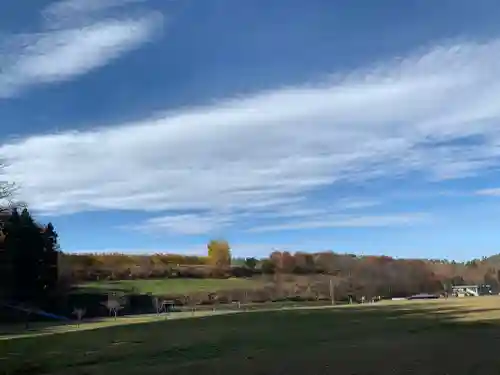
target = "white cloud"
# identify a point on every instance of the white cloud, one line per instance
(216, 220)
(300, 208)
(354, 204)
(493, 192)
(63, 53)
(267, 151)
(72, 8)
(348, 221)
(189, 224)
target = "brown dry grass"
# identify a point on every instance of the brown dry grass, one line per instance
(455, 336)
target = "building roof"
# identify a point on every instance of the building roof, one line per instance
(469, 286)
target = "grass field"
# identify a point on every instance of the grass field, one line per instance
(454, 336)
(173, 286)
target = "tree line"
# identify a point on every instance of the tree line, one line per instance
(33, 269)
(324, 277)
(414, 274)
(28, 259)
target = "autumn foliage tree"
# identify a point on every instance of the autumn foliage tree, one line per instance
(284, 262)
(219, 253)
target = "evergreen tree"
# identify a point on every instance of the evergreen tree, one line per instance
(31, 251)
(50, 258)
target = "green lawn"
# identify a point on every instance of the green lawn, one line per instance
(172, 286)
(457, 336)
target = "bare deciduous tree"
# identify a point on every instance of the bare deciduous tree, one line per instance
(244, 299)
(214, 299)
(79, 313)
(309, 292)
(7, 190)
(159, 305)
(113, 304)
(192, 302)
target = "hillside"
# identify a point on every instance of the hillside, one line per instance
(353, 275)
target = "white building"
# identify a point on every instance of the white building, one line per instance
(471, 290)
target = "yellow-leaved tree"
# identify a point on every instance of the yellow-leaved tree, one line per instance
(219, 253)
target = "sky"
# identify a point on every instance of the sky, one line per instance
(304, 125)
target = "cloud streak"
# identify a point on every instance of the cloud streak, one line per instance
(349, 221)
(435, 113)
(492, 192)
(186, 224)
(57, 54)
(73, 8)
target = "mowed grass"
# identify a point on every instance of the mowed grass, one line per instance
(454, 336)
(171, 286)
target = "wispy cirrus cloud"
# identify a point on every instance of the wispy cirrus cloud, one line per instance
(211, 221)
(186, 224)
(433, 112)
(61, 10)
(492, 192)
(59, 53)
(348, 221)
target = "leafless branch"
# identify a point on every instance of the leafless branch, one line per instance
(113, 304)
(7, 191)
(161, 305)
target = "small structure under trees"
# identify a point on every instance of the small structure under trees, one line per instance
(471, 290)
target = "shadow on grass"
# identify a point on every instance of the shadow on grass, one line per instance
(47, 327)
(34, 327)
(455, 338)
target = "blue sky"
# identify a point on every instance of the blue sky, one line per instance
(356, 126)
